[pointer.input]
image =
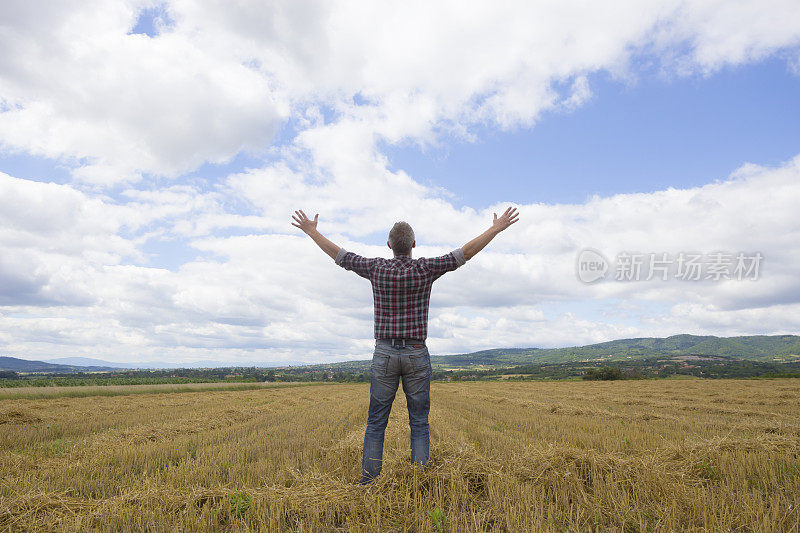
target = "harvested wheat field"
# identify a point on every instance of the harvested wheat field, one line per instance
(511, 456)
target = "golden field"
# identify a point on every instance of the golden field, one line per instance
(505, 456)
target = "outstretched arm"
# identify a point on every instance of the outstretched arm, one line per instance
(477, 244)
(309, 227)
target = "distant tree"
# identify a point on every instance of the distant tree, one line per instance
(604, 373)
(438, 375)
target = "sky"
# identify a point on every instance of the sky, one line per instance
(151, 155)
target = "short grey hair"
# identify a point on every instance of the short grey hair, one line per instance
(401, 238)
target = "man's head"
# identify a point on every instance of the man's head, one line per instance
(401, 239)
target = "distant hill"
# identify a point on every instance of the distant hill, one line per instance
(753, 348)
(87, 364)
(763, 348)
(23, 365)
(87, 361)
(91, 362)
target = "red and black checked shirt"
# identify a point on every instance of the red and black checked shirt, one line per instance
(401, 289)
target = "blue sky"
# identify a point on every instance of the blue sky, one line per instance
(639, 135)
(643, 135)
(149, 192)
(150, 19)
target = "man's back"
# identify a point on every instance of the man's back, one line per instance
(401, 289)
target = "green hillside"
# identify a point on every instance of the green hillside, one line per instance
(754, 348)
(763, 348)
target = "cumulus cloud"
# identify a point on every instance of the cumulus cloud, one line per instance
(77, 85)
(275, 297)
(124, 110)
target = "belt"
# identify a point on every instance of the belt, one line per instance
(400, 342)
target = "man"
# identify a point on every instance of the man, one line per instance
(401, 289)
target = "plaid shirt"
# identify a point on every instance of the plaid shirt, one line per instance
(401, 289)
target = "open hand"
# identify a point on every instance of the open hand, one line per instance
(304, 223)
(505, 220)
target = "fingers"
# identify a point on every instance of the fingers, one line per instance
(511, 216)
(301, 218)
(507, 213)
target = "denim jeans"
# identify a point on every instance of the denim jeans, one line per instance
(389, 363)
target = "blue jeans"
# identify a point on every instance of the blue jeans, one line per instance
(389, 363)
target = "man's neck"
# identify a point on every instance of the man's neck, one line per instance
(398, 256)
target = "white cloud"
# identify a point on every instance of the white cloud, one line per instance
(721, 32)
(76, 85)
(79, 87)
(75, 278)
(275, 296)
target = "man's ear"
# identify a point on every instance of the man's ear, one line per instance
(414, 244)
(387, 244)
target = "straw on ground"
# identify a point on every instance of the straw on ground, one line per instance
(645, 455)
